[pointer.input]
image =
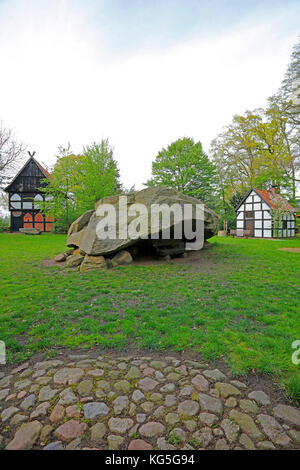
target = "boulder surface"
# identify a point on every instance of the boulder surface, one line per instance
(83, 232)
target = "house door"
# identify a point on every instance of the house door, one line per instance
(16, 221)
(249, 225)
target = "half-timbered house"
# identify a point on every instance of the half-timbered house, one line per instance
(25, 196)
(265, 214)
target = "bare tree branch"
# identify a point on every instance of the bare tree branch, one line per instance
(11, 152)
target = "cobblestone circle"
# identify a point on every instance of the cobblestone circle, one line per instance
(138, 402)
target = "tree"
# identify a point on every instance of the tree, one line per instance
(98, 173)
(11, 152)
(59, 189)
(78, 181)
(184, 166)
(290, 88)
(255, 150)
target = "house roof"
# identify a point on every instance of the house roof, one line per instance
(275, 200)
(45, 172)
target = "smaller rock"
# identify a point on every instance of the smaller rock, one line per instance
(152, 429)
(221, 444)
(45, 432)
(28, 402)
(57, 445)
(231, 402)
(172, 418)
(57, 414)
(137, 396)
(94, 409)
(98, 431)
(18, 419)
(260, 397)
(227, 390)
(40, 410)
(74, 260)
(246, 442)
(70, 430)
(188, 408)
(85, 387)
(287, 413)
(74, 445)
(122, 386)
(266, 445)
(208, 419)
(47, 393)
(249, 406)
(120, 404)
(139, 444)
(170, 400)
(114, 442)
(25, 436)
(120, 425)
(141, 418)
(60, 258)
(8, 413)
(73, 411)
(147, 384)
(162, 444)
(295, 435)
(214, 375)
(123, 257)
(200, 383)
(238, 384)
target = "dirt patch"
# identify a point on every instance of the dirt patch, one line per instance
(290, 250)
(198, 260)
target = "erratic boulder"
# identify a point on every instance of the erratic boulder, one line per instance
(83, 232)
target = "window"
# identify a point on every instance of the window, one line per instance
(37, 198)
(284, 224)
(15, 201)
(249, 215)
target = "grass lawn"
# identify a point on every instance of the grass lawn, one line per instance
(242, 307)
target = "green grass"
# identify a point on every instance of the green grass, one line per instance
(242, 306)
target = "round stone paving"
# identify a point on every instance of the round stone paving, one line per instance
(85, 401)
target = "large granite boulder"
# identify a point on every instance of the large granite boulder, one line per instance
(83, 232)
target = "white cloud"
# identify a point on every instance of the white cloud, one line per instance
(59, 84)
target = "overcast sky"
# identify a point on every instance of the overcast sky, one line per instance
(140, 72)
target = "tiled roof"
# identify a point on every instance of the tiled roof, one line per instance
(20, 171)
(275, 200)
(42, 168)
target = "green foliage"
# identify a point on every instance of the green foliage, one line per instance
(262, 147)
(293, 387)
(4, 224)
(98, 173)
(184, 166)
(78, 181)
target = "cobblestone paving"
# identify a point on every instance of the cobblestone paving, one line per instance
(135, 402)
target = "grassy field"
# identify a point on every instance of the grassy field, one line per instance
(241, 306)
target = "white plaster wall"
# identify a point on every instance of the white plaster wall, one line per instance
(267, 223)
(267, 215)
(258, 224)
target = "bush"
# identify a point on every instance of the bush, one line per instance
(4, 224)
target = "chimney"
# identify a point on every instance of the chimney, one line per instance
(273, 189)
